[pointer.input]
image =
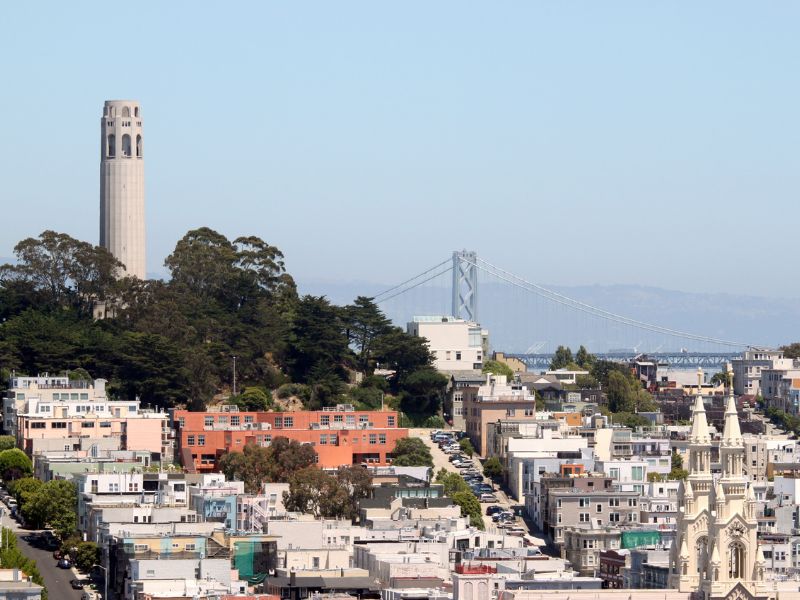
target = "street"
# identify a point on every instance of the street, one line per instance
(56, 580)
(441, 460)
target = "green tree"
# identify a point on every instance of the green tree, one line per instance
(791, 350)
(314, 492)
(562, 358)
(586, 382)
(87, 556)
(357, 482)
(364, 324)
(583, 359)
(256, 465)
(677, 471)
(25, 490)
(452, 483)
(317, 343)
(493, 468)
(470, 507)
(466, 446)
(498, 368)
(402, 353)
(57, 501)
(7, 442)
(252, 398)
(14, 464)
(422, 393)
(411, 452)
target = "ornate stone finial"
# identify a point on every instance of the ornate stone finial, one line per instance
(688, 492)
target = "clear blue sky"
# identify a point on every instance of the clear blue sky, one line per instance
(572, 142)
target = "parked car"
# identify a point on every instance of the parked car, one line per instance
(488, 498)
(76, 584)
(64, 563)
(494, 509)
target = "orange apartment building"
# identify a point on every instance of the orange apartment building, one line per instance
(340, 435)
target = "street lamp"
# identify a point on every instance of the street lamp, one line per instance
(105, 580)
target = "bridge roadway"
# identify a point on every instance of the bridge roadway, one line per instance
(677, 360)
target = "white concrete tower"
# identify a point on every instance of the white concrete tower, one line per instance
(122, 229)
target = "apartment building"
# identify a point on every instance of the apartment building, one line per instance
(340, 435)
(537, 504)
(46, 388)
(747, 369)
(659, 504)
(582, 547)
(456, 345)
(60, 422)
(463, 384)
(496, 400)
(596, 509)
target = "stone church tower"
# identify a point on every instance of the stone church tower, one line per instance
(717, 553)
(122, 228)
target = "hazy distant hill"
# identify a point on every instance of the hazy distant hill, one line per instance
(749, 319)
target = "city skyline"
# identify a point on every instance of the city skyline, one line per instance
(591, 137)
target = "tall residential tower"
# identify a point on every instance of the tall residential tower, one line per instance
(122, 229)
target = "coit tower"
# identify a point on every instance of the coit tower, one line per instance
(122, 185)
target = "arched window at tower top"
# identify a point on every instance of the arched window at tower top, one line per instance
(136, 111)
(126, 112)
(111, 146)
(139, 146)
(126, 146)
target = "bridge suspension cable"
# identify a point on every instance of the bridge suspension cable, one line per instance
(559, 298)
(402, 288)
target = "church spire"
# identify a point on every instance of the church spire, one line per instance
(732, 434)
(699, 434)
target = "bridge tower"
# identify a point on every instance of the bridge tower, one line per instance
(465, 285)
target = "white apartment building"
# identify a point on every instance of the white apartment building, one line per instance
(628, 474)
(46, 388)
(747, 370)
(457, 345)
(777, 383)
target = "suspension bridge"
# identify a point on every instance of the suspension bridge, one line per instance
(529, 321)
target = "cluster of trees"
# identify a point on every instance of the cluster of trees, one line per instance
(172, 342)
(625, 393)
(311, 490)
(785, 421)
(12, 558)
(14, 464)
(52, 504)
(456, 488)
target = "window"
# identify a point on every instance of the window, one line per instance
(736, 561)
(209, 421)
(190, 547)
(113, 487)
(133, 486)
(632, 501)
(613, 473)
(278, 422)
(201, 440)
(288, 422)
(613, 517)
(599, 508)
(111, 146)
(105, 424)
(190, 440)
(558, 503)
(126, 146)
(613, 501)
(38, 425)
(87, 425)
(334, 439)
(363, 418)
(139, 145)
(583, 502)
(181, 422)
(235, 420)
(373, 439)
(381, 438)
(140, 547)
(248, 418)
(84, 396)
(584, 518)
(58, 425)
(632, 517)
(510, 412)
(325, 420)
(315, 562)
(323, 439)
(337, 418)
(222, 420)
(588, 544)
(458, 355)
(637, 473)
(390, 420)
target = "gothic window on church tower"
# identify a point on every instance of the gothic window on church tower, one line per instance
(701, 551)
(736, 560)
